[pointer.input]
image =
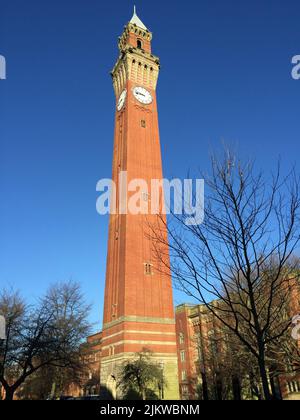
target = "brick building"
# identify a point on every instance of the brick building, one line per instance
(90, 376)
(290, 382)
(203, 353)
(186, 353)
(91, 354)
(210, 366)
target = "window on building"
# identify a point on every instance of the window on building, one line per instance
(293, 387)
(114, 310)
(181, 338)
(185, 389)
(182, 356)
(297, 386)
(143, 123)
(183, 375)
(148, 269)
(139, 44)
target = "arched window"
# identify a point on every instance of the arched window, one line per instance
(139, 44)
(148, 269)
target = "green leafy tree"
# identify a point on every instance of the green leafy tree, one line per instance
(142, 378)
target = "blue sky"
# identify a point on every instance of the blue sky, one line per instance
(226, 76)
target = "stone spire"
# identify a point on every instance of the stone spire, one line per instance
(137, 21)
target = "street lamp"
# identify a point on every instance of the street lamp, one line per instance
(2, 328)
(2, 339)
(161, 381)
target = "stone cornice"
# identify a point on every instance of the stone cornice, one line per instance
(143, 320)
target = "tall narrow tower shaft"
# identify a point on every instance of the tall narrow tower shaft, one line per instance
(138, 309)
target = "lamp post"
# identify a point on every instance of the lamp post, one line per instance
(2, 339)
(161, 382)
(2, 328)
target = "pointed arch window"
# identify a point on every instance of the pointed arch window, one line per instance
(139, 44)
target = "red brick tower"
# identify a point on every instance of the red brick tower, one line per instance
(138, 310)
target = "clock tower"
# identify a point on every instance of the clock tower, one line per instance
(138, 308)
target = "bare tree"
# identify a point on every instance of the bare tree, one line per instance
(224, 364)
(238, 261)
(40, 336)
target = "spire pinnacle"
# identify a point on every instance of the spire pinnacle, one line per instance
(136, 20)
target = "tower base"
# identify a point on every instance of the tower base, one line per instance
(110, 374)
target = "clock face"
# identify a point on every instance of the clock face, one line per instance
(142, 95)
(122, 100)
